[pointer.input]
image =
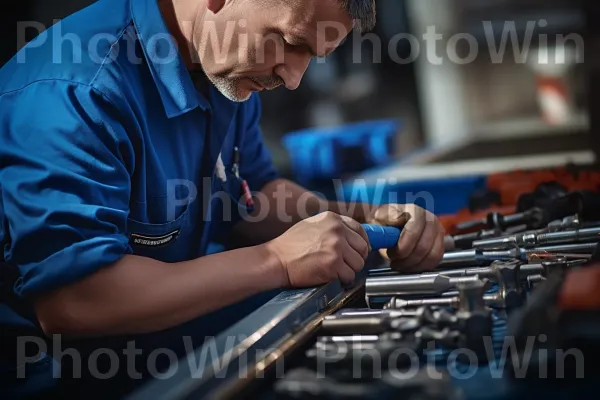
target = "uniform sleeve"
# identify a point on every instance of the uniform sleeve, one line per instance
(64, 184)
(256, 165)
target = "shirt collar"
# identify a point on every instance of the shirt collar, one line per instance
(172, 79)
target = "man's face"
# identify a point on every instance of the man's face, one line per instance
(251, 45)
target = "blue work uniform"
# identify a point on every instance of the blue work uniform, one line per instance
(107, 148)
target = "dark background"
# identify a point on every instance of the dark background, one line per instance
(339, 91)
(283, 111)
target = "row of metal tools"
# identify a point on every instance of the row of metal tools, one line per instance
(456, 307)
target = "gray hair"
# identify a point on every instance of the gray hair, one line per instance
(362, 11)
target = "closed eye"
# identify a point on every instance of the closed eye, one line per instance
(301, 43)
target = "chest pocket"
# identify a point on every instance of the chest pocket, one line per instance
(168, 241)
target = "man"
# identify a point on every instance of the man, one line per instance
(120, 148)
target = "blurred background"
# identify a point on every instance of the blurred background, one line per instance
(419, 112)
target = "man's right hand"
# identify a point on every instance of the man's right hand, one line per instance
(321, 249)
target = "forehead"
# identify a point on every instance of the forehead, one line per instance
(312, 12)
(319, 20)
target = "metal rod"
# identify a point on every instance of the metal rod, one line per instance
(400, 285)
(354, 325)
(455, 258)
(341, 339)
(394, 285)
(537, 239)
(398, 303)
(490, 300)
(573, 248)
(369, 312)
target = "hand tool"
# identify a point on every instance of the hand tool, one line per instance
(382, 237)
(397, 286)
(559, 250)
(355, 339)
(465, 241)
(476, 257)
(365, 355)
(490, 272)
(383, 321)
(534, 280)
(564, 311)
(507, 188)
(305, 383)
(371, 312)
(479, 257)
(533, 218)
(473, 319)
(567, 223)
(487, 272)
(537, 239)
(584, 203)
(386, 286)
(509, 294)
(421, 386)
(445, 337)
(449, 222)
(486, 257)
(420, 334)
(490, 300)
(360, 325)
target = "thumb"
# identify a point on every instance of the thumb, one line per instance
(391, 215)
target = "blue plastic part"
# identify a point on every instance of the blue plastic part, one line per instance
(382, 237)
(440, 196)
(318, 154)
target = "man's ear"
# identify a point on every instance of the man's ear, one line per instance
(215, 5)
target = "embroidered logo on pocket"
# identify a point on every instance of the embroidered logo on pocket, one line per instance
(154, 241)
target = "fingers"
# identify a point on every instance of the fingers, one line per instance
(356, 236)
(411, 233)
(427, 252)
(433, 259)
(345, 274)
(353, 259)
(391, 215)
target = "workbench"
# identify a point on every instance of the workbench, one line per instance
(243, 361)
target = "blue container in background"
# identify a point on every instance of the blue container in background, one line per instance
(440, 196)
(328, 153)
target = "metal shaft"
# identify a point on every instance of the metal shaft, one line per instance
(496, 220)
(533, 279)
(477, 257)
(537, 239)
(394, 285)
(398, 303)
(354, 325)
(399, 285)
(465, 240)
(490, 300)
(348, 339)
(573, 236)
(469, 257)
(471, 296)
(570, 222)
(580, 248)
(369, 312)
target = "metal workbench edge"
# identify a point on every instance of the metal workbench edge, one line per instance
(229, 354)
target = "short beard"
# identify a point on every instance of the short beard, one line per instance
(228, 88)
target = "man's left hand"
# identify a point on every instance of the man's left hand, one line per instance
(421, 244)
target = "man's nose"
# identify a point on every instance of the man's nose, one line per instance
(293, 69)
